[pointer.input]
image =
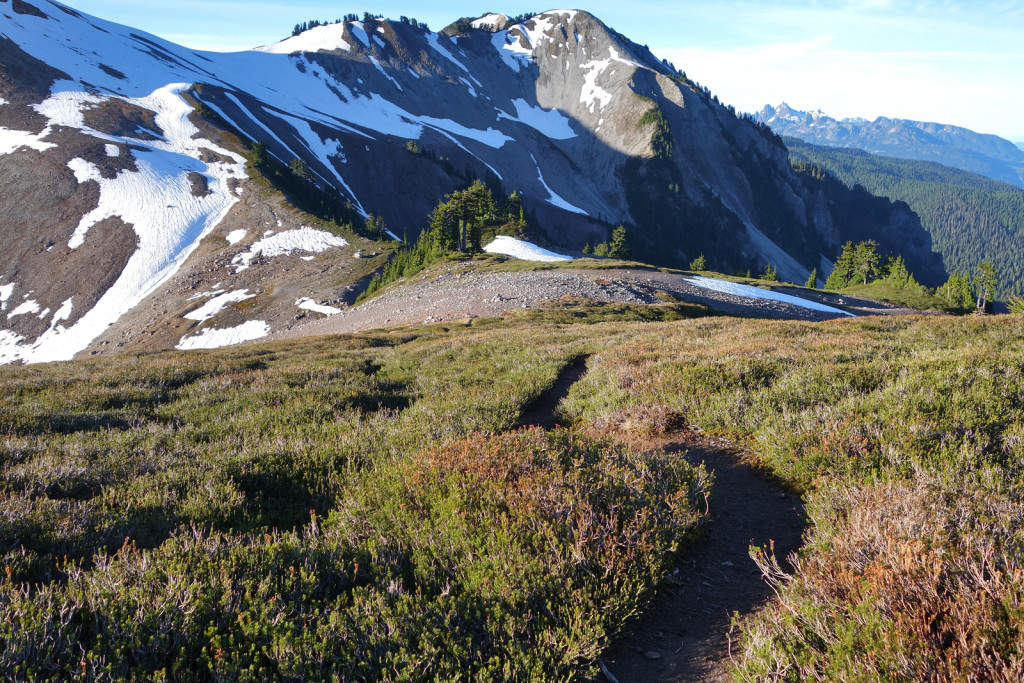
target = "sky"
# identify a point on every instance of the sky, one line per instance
(950, 61)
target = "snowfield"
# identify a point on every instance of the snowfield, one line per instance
(520, 249)
(749, 292)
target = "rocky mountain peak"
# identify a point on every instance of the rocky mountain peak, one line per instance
(955, 146)
(124, 157)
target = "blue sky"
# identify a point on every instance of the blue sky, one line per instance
(933, 60)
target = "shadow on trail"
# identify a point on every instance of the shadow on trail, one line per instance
(683, 636)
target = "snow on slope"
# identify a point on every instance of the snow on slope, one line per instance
(157, 201)
(217, 304)
(520, 249)
(329, 37)
(215, 338)
(551, 123)
(737, 289)
(282, 243)
(308, 304)
(553, 198)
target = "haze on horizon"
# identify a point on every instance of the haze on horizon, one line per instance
(959, 63)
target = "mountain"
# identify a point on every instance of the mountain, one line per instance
(987, 155)
(970, 217)
(131, 219)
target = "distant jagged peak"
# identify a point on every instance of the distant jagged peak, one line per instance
(784, 112)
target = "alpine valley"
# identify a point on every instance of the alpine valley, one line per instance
(127, 199)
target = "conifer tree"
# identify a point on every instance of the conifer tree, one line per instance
(812, 280)
(699, 263)
(842, 271)
(986, 283)
(619, 248)
(956, 292)
(865, 260)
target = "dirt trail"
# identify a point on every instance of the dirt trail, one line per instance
(684, 634)
(544, 413)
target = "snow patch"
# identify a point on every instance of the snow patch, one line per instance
(433, 40)
(737, 289)
(327, 38)
(359, 31)
(63, 313)
(26, 307)
(376, 63)
(593, 95)
(549, 122)
(156, 201)
(284, 243)
(5, 293)
(112, 150)
(520, 249)
(11, 140)
(553, 198)
(494, 21)
(511, 50)
(308, 304)
(228, 336)
(217, 304)
(11, 348)
(203, 295)
(236, 236)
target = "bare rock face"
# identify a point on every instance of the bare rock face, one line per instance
(130, 206)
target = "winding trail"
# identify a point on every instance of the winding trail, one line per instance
(544, 413)
(684, 634)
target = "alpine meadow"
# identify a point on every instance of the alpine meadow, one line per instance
(505, 352)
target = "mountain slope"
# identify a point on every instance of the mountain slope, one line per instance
(987, 155)
(971, 218)
(127, 153)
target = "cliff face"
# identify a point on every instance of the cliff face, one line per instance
(124, 152)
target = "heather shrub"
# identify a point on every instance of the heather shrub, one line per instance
(512, 557)
(901, 581)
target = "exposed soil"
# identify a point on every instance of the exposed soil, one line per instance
(684, 635)
(544, 413)
(459, 294)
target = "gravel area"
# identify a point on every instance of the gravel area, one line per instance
(457, 294)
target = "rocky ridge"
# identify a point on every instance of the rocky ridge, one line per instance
(126, 154)
(987, 155)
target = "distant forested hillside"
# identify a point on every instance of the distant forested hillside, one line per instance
(970, 217)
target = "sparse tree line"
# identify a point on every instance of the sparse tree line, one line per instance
(457, 224)
(617, 247)
(299, 183)
(349, 18)
(860, 264)
(970, 218)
